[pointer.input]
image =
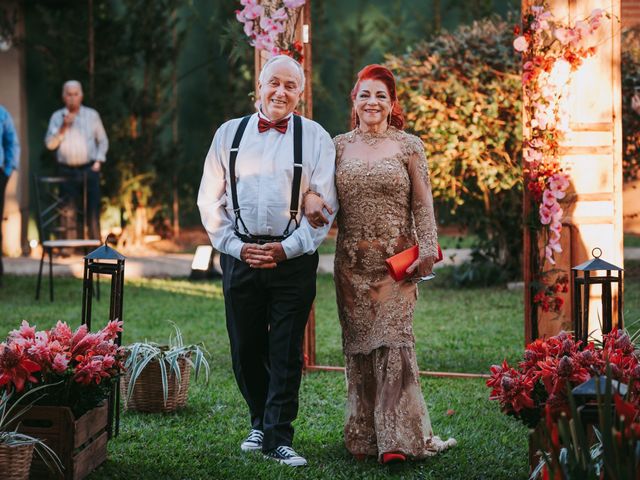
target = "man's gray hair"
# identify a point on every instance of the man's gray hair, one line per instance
(282, 58)
(71, 83)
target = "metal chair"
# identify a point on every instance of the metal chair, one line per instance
(51, 202)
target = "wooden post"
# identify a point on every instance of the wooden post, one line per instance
(591, 153)
(302, 34)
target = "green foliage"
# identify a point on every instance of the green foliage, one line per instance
(14, 406)
(630, 65)
(141, 354)
(461, 94)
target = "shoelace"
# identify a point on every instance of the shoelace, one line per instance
(287, 452)
(255, 436)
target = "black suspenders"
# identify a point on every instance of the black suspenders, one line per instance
(295, 184)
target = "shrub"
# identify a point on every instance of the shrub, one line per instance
(461, 93)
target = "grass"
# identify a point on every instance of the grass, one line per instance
(456, 330)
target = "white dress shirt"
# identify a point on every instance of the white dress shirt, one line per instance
(83, 142)
(264, 173)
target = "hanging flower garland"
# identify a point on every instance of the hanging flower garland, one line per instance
(550, 52)
(270, 26)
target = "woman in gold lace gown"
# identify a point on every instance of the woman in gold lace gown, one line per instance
(385, 207)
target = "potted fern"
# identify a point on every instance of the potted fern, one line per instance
(158, 376)
(16, 449)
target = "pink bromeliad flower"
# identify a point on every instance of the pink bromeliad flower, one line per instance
(15, 367)
(110, 332)
(60, 363)
(61, 332)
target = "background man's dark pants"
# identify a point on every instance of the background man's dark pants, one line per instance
(267, 311)
(73, 191)
(3, 186)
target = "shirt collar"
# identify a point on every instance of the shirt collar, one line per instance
(262, 115)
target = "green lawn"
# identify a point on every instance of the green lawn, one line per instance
(456, 330)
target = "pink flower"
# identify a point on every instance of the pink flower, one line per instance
(532, 155)
(264, 42)
(555, 226)
(251, 12)
(248, 29)
(110, 332)
(61, 332)
(60, 363)
(15, 367)
(564, 35)
(582, 29)
(26, 332)
(545, 214)
(240, 16)
(520, 44)
(294, 3)
(271, 26)
(548, 198)
(79, 335)
(558, 183)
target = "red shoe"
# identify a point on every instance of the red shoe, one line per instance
(393, 457)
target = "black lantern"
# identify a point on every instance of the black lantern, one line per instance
(105, 260)
(586, 396)
(582, 291)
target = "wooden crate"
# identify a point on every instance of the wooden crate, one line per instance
(80, 443)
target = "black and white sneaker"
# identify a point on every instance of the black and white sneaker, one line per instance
(287, 456)
(253, 441)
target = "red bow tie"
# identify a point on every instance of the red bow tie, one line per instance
(281, 125)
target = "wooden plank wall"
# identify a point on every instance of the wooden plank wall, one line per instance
(592, 156)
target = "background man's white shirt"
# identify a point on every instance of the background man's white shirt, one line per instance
(264, 173)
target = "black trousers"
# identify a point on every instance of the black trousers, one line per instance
(267, 311)
(3, 186)
(72, 190)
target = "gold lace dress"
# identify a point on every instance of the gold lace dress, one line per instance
(385, 207)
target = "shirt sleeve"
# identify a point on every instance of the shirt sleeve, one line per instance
(422, 200)
(212, 201)
(10, 145)
(51, 139)
(102, 142)
(306, 239)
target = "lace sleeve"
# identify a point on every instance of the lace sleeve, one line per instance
(338, 142)
(421, 198)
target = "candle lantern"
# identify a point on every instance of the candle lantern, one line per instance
(584, 277)
(106, 261)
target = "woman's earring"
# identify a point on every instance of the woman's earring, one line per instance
(389, 119)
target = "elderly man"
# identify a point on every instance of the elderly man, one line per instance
(255, 176)
(77, 134)
(9, 161)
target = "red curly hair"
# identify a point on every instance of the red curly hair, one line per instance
(383, 74)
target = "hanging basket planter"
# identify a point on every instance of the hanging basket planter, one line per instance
(15, 461)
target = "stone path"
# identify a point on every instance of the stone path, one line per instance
(179, 264)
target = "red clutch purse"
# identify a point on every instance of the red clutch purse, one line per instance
(398, 264)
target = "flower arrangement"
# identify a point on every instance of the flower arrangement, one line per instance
(548, 298)
(81, 362)
(271, 26)
(550, 365)
(550, 52)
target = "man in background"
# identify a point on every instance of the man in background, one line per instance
(9, 161)
(78, 136)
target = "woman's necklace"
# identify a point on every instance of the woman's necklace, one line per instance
(372, 138)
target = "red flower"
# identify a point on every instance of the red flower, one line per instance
(15, 367)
